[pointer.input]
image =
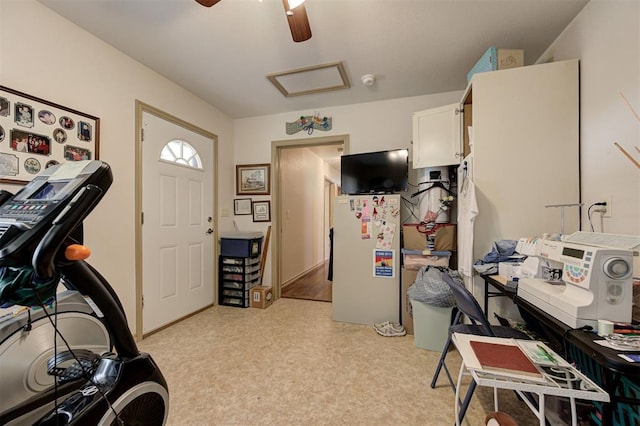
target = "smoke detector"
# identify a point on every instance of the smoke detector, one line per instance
(368, 79)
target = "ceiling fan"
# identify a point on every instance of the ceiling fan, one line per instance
(296, 15)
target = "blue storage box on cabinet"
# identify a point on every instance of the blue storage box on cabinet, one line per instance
(497, 59)
(241, 244)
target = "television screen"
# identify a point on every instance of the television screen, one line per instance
(375, 172)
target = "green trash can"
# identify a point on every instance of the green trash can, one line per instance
(430, 325)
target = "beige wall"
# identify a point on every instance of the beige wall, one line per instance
(373, 126)
(605, 36)
(44, 55)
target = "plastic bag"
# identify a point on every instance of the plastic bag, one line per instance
(430, 288)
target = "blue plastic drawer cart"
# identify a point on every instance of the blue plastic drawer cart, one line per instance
(239, 268)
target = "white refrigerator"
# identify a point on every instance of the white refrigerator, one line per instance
(366, 259)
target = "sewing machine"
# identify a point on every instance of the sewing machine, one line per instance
(596, 283)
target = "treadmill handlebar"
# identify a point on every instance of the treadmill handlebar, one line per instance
(43, 260)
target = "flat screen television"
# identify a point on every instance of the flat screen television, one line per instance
(375, 172)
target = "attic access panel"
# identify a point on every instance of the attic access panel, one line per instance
(310, 80)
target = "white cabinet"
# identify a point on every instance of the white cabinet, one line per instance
(525, 154)
(436, 137)
(525, 151)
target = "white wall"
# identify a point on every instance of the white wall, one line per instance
(46, 56)
(372, 126)
(605, 36)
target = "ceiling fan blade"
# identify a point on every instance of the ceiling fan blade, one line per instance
(298, 22)
(207, 3)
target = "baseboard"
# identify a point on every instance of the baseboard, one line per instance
(303, 273)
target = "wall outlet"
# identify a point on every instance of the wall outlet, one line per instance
(609, 204)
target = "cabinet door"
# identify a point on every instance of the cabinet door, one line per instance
(526, 151)
(436, 137)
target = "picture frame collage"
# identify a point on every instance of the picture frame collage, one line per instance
(253, 179)
(36, 134)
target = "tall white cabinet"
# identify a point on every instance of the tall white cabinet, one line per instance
(524, 154)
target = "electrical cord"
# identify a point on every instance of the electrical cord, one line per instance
(54, 324)
(411, 208)
(589, 212)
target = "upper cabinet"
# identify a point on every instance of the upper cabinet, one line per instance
(436, 137)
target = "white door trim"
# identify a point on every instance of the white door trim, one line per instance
(140, 108)
(276, 148)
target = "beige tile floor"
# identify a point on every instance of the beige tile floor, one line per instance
(291, 364)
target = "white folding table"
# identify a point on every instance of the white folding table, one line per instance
(559, 378)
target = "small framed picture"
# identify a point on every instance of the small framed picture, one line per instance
(84, 131)
(253, 179)
(4, 106)
(23, 115)
(242, 206)
(261, 211)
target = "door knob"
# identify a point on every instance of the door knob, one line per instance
(209, 231)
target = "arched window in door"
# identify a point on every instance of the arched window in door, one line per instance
(182, 153)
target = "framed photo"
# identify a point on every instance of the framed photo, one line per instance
(242, 206)
(253, 179)
(36, 134)
(261, 211)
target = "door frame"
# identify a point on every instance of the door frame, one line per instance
(141, 108)
(276, 149)
(332, 194)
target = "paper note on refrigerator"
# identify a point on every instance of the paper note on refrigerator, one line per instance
(385, 235)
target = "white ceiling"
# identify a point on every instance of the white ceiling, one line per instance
(412, 47)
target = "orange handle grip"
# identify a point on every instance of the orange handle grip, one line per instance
(77, 252)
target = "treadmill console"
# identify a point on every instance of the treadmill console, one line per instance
(26, 217)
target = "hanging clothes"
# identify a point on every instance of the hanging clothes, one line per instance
(467, 212)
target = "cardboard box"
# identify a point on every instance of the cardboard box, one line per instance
(408, 277)
(497, 59)
(445, 238)
(412, 238)
(261, 297)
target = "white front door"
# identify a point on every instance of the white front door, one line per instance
(177, 230)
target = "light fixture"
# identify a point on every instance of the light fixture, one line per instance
(292, 4)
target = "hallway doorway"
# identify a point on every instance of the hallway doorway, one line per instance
(302, 199)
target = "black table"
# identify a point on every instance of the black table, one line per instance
(601, 364)
(496, 282)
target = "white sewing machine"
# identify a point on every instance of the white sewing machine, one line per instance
(596, 283)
